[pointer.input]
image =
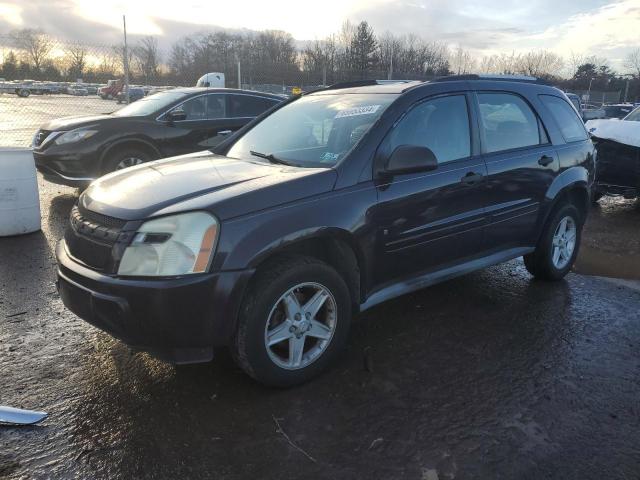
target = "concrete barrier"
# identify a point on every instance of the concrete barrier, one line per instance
(19, 199)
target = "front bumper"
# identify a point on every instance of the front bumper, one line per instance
(179, 320)
(73, 169)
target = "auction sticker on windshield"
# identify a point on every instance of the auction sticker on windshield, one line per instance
(354, 112)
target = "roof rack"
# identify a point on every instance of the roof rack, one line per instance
(363, 83)
(503, 78)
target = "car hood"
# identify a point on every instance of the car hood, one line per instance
(69, 123)
(202, 181)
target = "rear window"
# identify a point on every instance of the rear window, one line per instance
(566, 117)
(249, 105)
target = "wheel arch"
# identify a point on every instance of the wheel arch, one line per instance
(135, 142)
(334, 246)
(571, 186)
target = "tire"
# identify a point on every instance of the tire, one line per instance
(263, 311)
(23, 92)
(541, 262)
(116, 159)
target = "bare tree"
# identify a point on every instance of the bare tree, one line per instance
(146, 58)
(632, 62)
(75, 59)
(35, 44)
(462, 61)
(542, 63)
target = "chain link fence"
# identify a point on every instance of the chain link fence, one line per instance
(42, 78)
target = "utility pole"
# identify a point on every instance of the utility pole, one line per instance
(126, 61)
(239, 76)
(589, 91)
(391, 64)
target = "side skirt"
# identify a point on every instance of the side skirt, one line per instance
(425, 280)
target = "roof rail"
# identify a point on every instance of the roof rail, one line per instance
(353, 83)
(363, 83)
(503, 78)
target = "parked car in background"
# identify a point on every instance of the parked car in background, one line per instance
(135, 93)
(618, 147)
(329, 204)
(620, 110)
(111, 89)
(575, 101)
(77, 90)
(76, 150)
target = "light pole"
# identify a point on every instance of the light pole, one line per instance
(589, 91)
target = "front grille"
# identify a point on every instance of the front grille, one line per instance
(91, 236)
(100, 219)
(40, 137)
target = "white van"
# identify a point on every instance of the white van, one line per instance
(212, 80)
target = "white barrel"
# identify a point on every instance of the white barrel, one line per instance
(19, 199)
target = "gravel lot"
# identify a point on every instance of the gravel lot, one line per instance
(491, 375)
(21, 117)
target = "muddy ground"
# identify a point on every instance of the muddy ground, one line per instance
(492, 375)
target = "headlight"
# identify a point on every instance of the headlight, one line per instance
(74, 136)
(174, 245)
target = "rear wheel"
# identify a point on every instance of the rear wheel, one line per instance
(294, 321)
(125, 158)
(558, 246)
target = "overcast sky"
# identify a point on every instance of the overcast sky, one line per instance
(595, 27)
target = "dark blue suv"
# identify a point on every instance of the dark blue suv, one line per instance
(324, 207)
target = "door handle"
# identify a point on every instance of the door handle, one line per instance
(545, 160)
(472, 178)
(225, 132)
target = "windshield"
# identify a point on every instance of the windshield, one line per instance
(148, 105)
(634, 116)
(617, 111)
(316, 130)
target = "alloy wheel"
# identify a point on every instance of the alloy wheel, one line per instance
(128, 162)
(301, 325)
(564, 242)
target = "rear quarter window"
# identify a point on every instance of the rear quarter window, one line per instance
(570, 125)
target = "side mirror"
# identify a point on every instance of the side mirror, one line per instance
(176, 115)
(411, 158)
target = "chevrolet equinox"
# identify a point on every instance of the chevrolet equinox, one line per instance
(322, 208)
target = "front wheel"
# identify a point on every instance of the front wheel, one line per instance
(558, 246)
(293, 323)
(128, 157)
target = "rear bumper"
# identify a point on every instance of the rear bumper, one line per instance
(179, 320)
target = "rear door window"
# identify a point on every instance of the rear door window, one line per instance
(248, 105)
(441, 124)
(508, 122)
(570, 125)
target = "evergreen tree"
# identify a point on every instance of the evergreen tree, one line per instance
(364, 47)
(10, 66)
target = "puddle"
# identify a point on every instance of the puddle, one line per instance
(593, 261)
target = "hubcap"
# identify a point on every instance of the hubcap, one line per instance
(300, 326)
(128, 162)
(564, 242)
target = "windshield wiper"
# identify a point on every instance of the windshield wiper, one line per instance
(272, 158)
